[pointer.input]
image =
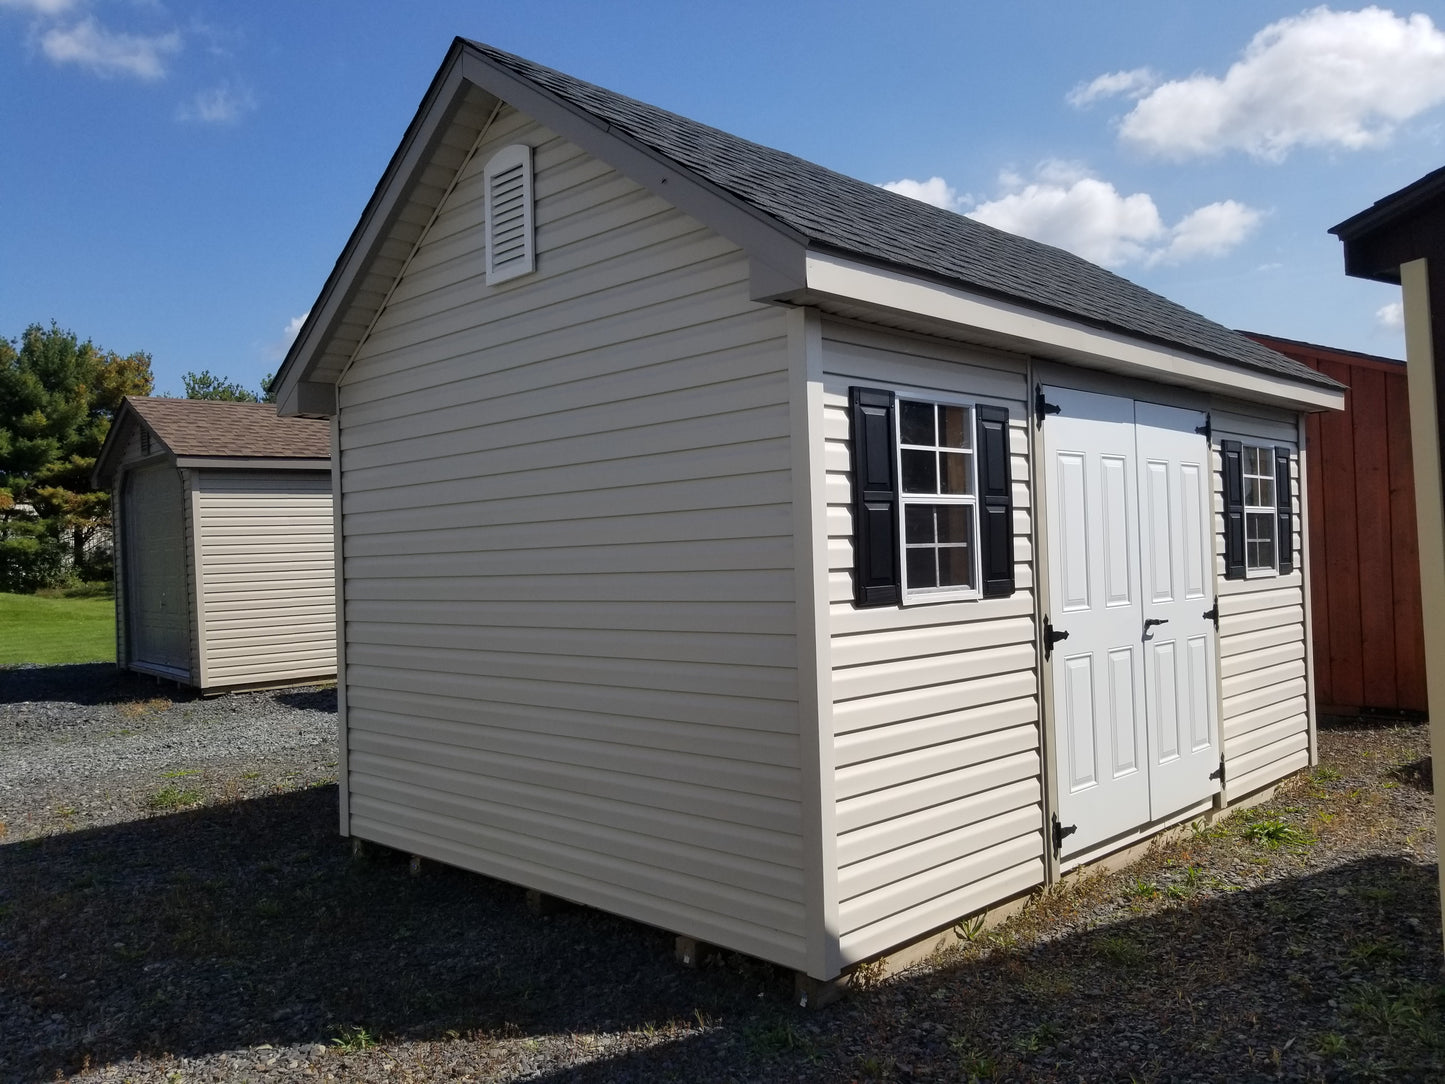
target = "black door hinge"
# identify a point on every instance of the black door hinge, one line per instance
(1062, 832)
(1051, 637)
(1041, 406)
(1212, 614)
(1207, 429)
(1218, 772)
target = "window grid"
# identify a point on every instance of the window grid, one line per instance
(1260, 510)
(936, 466)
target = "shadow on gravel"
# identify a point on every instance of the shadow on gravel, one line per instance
(252, 923)
(309, 699)
(85, 683)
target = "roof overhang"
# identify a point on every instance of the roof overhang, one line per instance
(454, 116)
(451, 120)
(856, 290)
(1402, 227)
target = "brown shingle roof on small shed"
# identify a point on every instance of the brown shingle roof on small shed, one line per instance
(204, 427)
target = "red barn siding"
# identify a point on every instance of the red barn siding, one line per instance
(1367, 625)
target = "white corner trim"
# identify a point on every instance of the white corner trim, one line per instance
(1046, 335)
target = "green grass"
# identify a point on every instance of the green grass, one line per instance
(51, 631)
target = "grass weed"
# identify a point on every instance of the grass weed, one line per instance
(169, 798)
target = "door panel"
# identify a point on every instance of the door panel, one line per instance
(1127, 491)
(1098, 681)
(1179, 657)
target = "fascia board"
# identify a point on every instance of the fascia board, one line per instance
(767, 241)
(1055, 337)
(437, 109)
(220, 462)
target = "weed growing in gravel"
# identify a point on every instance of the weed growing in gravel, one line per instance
(1141, 889)
(973, 1063)
(137, 708)
(1120, 951)
(353, 1039)
(1331, 1044)
(1365, 952)
(1326, 773)
(1410, 1010)
(969, 928)
(778, 1037)
(180, 773)
(1273, 832)
(170, 798)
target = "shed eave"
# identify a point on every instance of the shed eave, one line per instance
(851, 288)
(775, 250)
(257, 462)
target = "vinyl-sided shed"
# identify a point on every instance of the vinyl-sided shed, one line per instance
(223, 543)
(762, 555)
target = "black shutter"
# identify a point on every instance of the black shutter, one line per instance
(1284, 503)
(995, 502)
(876, 580)
(1231, 452)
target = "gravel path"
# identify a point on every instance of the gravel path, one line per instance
(176, 905)
(85, 745)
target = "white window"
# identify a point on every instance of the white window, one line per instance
(938, 502)
(511, 250)
(1261, 511)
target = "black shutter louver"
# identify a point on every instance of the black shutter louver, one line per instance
(876, 580)
(1284, 503)
(1232, 453)
(995, 502)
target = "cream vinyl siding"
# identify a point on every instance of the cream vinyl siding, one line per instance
(1264, 715)
(937, 770)
(568, 539)
(268, 604)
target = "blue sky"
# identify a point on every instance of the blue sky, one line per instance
(180, 177)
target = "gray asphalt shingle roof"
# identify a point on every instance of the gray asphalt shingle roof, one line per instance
(851, 217)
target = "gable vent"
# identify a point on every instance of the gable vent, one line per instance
(145, 442)
(510, 233)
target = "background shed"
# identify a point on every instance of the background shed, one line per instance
(224, 542)
(1367, 628)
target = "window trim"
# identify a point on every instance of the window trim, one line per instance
(916, 596)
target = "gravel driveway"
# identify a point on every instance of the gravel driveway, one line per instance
(176, 905)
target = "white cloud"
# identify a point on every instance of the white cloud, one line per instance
(1064, 205)
(109, 52)
(1130, 84)
(1212, 230)
(224, 104)
(293, 327)
(278, 349)
(935, 190)
(39, 7)
(1391, 316)
(1318, 79)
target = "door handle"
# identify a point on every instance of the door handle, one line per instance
(1151, 622)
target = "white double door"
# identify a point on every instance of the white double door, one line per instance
(1131, 583)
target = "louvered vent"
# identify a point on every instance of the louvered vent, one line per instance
(145, 442)
(510, 247)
